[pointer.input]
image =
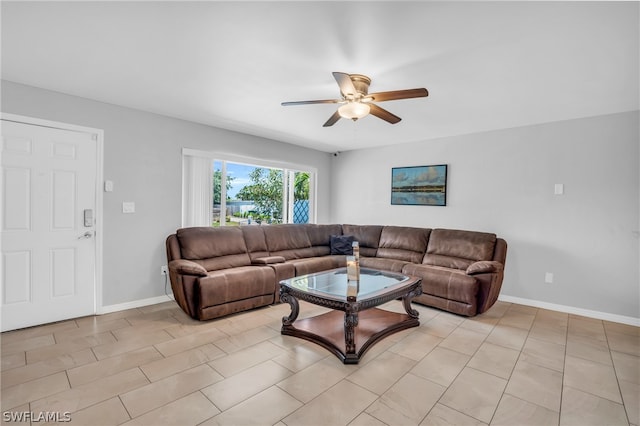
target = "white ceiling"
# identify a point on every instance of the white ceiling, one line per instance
(487, 65)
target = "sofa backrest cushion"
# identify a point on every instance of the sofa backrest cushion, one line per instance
(367, 236)
(214, 248)
(458, 249)
(255, 240)
(290, 241)
(403, 243)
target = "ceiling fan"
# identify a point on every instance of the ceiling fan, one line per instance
(357, 102)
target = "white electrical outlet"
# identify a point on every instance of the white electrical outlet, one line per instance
(164, 270)
(548, 277)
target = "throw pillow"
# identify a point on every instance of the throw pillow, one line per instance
(341, 244)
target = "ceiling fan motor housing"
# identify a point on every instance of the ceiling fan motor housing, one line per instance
(361, 83)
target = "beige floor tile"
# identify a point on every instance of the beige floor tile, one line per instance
(494, 359)
(587, 348)
(514, 411)
(31, 332)
(233, 390)
(68, 346)
(265, 408)
(108, 413)
(346, 400)
(14, 360)
(381, 373)
(475, 393)
(95, 319)
(440, 325)
(584, 409)
(631, 397)
(11, 346)
(16, 395)
(441, 366)
(544, 353)
(192, 409)
(300, 357)
(518, 320)
(160, 393)
(117, 348)
(480, 324)
(317, 378)
(165, 367)
(587, 327)
(416, 345)
(144, 326)
(407, 402)
(100, 390)
(592, 377)
(245, 339)
(441, 415)
(627, 367)
(539, 385)
(507, 336)
(110, 366)
(246, 358)
(89, 329)
(46, 367)
(365, 419)
(554, 318)
(181, 344)
(548, 332)
(617, 327)
(623, 342)
(464, 341)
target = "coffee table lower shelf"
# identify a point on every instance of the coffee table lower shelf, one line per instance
(328, 330)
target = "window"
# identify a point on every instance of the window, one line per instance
(220, 190)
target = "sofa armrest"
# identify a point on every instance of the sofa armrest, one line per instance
(187, 267)
(484, 267)
(268, 260)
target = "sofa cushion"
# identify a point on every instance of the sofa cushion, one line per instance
(315, 264)
(234, 284)
(458, 249)
(255, 241)
(342, 244)
(214, 248)
(367, 236)
(403, 243)
(444, 282)
(320, 235)
(393, 265)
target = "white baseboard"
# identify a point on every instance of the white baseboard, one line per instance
(133, 304)
(572, 310)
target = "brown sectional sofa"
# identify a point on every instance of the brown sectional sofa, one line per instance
(220, 271)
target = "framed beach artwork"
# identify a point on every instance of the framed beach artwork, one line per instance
(419, 185)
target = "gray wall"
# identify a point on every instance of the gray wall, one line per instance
(503, 182)
(142, 156)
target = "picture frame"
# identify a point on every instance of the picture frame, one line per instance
(419, 185)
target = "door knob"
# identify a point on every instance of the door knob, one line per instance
(86, 235)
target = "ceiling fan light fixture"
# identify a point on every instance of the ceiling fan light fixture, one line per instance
(354, 110)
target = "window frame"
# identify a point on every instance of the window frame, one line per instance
(288, 169)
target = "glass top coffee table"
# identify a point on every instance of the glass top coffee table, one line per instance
(354, 324)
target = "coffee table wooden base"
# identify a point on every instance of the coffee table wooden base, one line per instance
(328, 330)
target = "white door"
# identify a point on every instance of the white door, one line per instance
(48, 248)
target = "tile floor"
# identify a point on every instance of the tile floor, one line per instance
(514, 365)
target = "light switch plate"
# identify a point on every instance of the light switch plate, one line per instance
(558, 189)
(128, 207)
(108, 186)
